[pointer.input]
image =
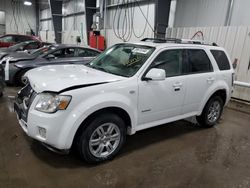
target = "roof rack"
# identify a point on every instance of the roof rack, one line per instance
(159, 40)
(176, 40)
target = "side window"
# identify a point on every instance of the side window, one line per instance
(170, 61)
(64, 53)
(198, 61)
(69, 52)
(221, 59)
(86, 53)
(58, 53)
(33, 45)
(7, 39)
(20, 39)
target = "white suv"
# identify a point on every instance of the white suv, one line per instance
(128, 88)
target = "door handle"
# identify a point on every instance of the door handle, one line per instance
(210, 79)
(178, 84)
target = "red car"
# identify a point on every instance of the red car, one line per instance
(11, 39)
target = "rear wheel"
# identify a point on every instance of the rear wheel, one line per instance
(102, 139)
(211, 112)
(1, 93)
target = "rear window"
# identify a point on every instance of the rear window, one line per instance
(221, 59)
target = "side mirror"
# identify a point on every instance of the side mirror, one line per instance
(155, 75)
(50, 56)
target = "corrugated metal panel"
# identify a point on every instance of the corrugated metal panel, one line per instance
(236, 40)
(191, 13)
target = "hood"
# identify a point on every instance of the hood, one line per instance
(21, 56)
(58, 78)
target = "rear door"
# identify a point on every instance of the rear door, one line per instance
(200, 77)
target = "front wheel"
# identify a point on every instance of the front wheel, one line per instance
(211, 112)
(102, 139)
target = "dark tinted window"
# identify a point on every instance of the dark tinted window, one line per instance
(33, 45)
(63, 53)
(21, 38)
(221, 59)
(170, 61)
(86, 53)
(198, 61)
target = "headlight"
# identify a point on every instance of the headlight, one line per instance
(50, 103)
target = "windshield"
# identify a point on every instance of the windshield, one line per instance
(122, 59)
(43, 50)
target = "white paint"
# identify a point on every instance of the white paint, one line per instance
(130, 94)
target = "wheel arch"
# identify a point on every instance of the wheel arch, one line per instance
(221, 92)
(115, 110)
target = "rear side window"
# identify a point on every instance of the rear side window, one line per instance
(221, 59)
(198, 61)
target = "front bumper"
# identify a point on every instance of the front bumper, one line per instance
(46, 128)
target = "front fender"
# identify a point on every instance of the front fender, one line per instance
(83, 110)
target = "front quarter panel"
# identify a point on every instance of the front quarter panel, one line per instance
(86, 101)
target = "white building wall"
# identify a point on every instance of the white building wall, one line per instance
(241, 13)
(72, 26)
(24, 16)
(2, 22)
(191, 13)
(204, 13)
(139, 23)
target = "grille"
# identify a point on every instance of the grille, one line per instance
(25, 98)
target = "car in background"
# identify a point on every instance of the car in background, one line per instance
(27, 46)
(12, 39)
(1, 80)
(58, 54)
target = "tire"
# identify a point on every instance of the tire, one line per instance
(211, 112)
(1, 94)
(18, 78)
(95, 131)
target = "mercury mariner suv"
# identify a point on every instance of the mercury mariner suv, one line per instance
(128, 88)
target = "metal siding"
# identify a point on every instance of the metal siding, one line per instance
(193, 13)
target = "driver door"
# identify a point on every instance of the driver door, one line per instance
(161, 100)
